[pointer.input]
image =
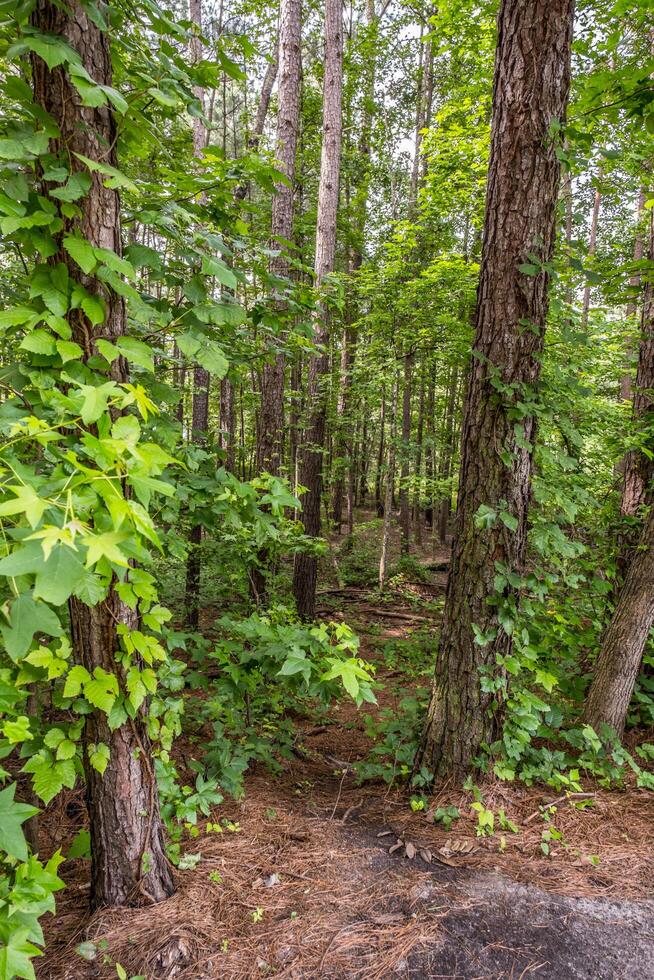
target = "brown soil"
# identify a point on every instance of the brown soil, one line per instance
(305, 887)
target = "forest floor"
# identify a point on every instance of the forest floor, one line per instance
(304, 885)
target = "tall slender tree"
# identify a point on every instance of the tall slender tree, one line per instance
(128, 862)
(201, 379)
(305, 571)
(270, 434)
(530, 94)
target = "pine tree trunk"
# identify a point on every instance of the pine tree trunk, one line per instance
(447, 455)
(634, 282)
(201, 380)
(388, 494)
(624, 640)
(270, 431)
(532, 79)
(379, 503)
(128, 863)
(305, 571)
(405, 511)
(592, 245)
(639, 468)
(418, 518)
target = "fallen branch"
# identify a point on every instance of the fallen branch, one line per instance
(559, 799)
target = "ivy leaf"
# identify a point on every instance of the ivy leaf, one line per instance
(15, 954)
(77, 677)
(95, 399)
(12, 816)
(59, 576)
(77, 185)
(101, 691)
(94, 309)
(80, 250)
(27, 501)
(49, 47)
(48, 775)
(28, 617)
(99, 756)
(106, 546)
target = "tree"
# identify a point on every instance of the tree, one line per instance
(624, 640)
(270, 434)
(201, 379)
(530, 93)
(305, 569)
(128, 863)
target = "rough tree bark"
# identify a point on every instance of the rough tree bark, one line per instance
(632, 305)
(270, 434)
(531, 85)
(201, 380)
(624, 640)
(592, 247)
(388, 493)
(639, 468)
(305, 571)
(405, 510)
(128, 863)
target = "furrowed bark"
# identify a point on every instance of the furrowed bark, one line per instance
(128, 863)
(305, 571)
(531, 85)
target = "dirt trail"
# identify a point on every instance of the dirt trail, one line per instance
(303, 886)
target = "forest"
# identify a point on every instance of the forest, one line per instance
(326, 489)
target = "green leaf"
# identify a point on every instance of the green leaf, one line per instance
(49, 47)
(38, 342)
(95, 399)
(15, 955)
(27, 617)
(68, 350)
(77, 186)
(137, 352)
(222, 272)
(99, 756)
(59, 577)
(106, 546)
(210, 356)
(77, 677)
(12, 816)
(94, 309)
(80, 250)
(102, 690)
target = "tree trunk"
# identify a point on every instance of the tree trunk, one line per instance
(305, 571)
(592, 245)
(128, 863)
(531, 85)
(634, 282)
(447, 455)
(270, 434)
(201, 380)
(379, 504)
(639, 468)
(227, 422)
(388, 495)
(624, 640)
(405, 511)
(417, 500)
